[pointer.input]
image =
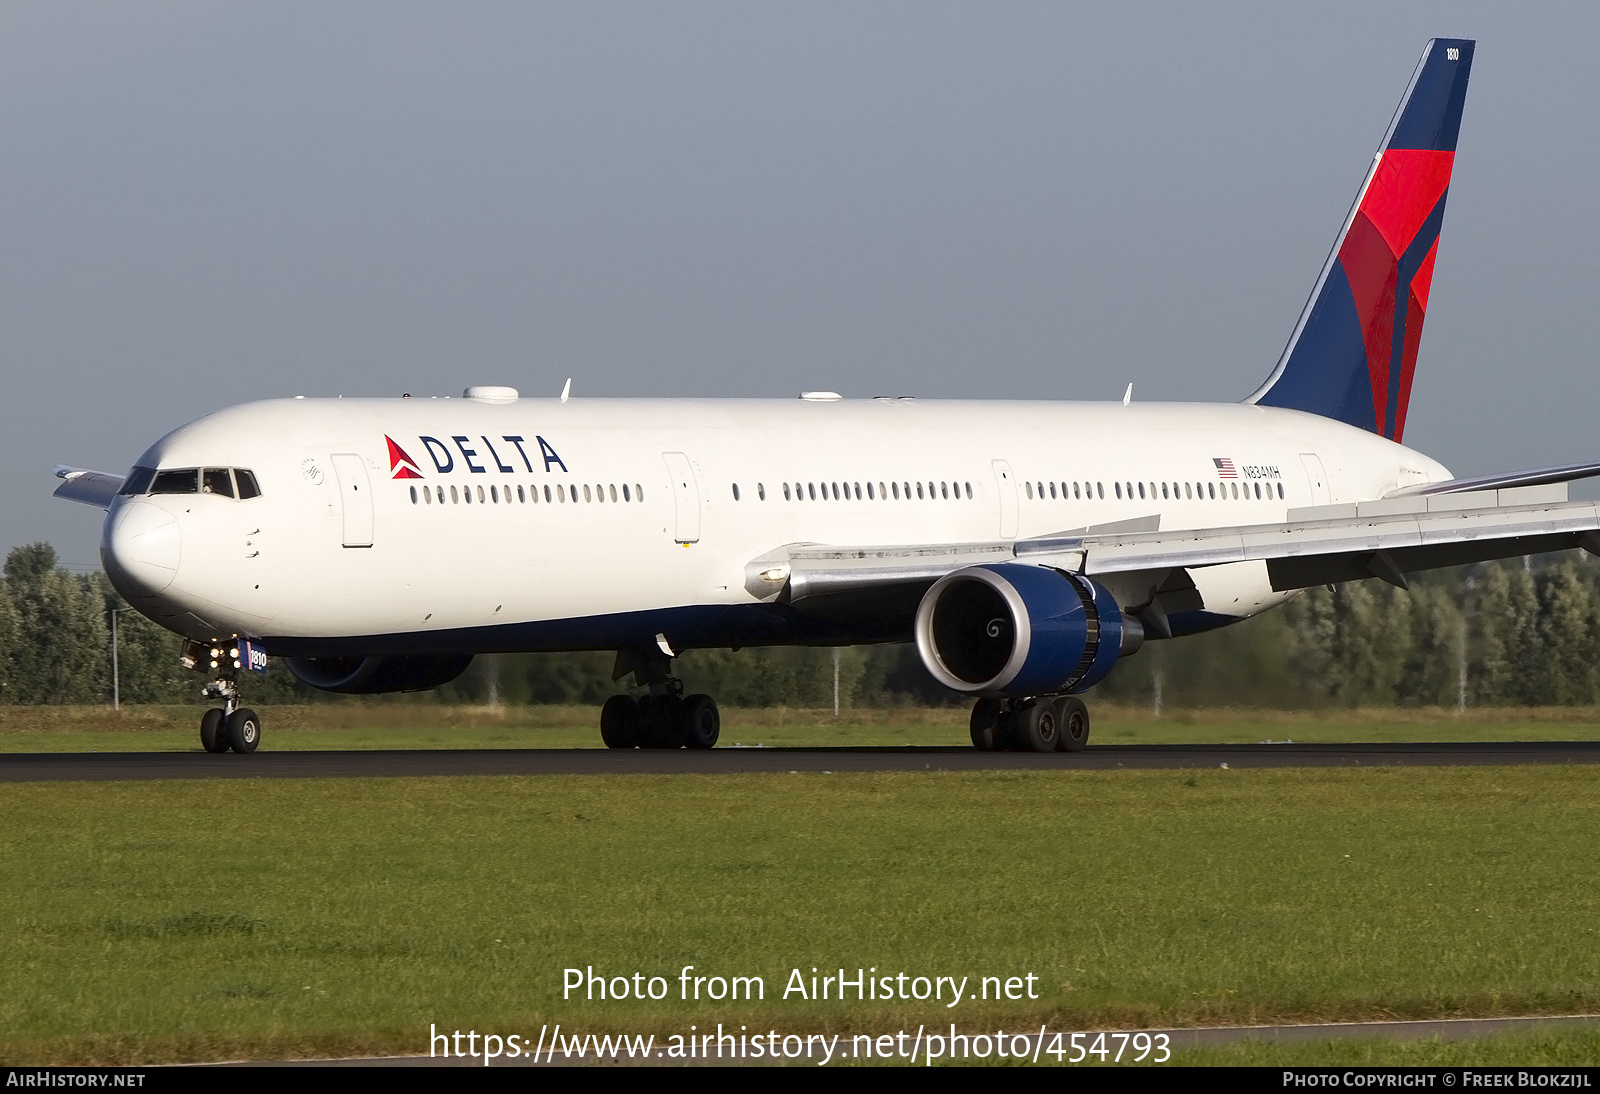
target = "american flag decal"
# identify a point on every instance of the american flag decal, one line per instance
(1225, 469)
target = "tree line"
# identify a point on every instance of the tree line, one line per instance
(1520, 632)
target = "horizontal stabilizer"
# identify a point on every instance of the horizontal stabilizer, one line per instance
(90, 487)
(1539, 476)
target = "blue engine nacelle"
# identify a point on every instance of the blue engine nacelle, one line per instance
(1011, 630)
(375, 675)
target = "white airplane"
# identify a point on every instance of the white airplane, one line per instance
(378, 544)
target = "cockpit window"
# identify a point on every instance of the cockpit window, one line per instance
(138, 480)
(190, 480)
(186, 481)
(215, 480)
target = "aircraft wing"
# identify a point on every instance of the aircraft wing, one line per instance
(1315, 546)
(89, 487)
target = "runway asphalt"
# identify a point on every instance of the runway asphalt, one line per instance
(117, 766)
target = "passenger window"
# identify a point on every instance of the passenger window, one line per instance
(969, 491)
(177, 482)
(638, 491)
(811, 490)
(858, 490)
(1235, 491)
(1117, 486)
(735, 491)
(626, 494)
(761, 491)
(1141, 491)
(522, 496)
(494, 494)
(1028, 489)
(786, 492)
(920, 495)
(413, 495)
(871, 496)
(480, 495)
(138, 480)
(1280, 491)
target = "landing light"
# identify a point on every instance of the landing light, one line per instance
(777, 573)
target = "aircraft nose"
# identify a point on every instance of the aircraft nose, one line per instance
(141, 548)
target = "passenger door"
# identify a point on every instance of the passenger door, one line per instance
(1007, 487)
(1320, 494)
(355, 498)
(685, 497)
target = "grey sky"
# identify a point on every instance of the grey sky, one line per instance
(208, 203)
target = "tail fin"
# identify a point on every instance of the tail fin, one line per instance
(1354, 350)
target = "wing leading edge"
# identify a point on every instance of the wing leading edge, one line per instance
(1315, 546)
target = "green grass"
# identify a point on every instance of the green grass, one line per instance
(203, 920)
(410, 725)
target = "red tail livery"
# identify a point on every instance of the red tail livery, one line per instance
(1354, 351)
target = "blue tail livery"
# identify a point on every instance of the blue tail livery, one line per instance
(1354, 351)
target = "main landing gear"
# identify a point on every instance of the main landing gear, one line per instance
(230, 726)
(665, 718)
(1043, 723)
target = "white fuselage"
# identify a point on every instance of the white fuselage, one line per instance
(338, 554)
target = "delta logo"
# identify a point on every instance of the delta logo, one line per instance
(401, 465)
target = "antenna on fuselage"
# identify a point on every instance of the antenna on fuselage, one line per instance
(1127, 396)
(566, 389)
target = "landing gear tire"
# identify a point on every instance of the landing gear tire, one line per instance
(212, 736)
(243, 730)
(1073, 719)
(620, 722)
(1037, 727)
(666, 721)
(986, 725)
(704, 721)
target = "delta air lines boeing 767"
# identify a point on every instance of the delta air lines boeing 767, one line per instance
(378, 544)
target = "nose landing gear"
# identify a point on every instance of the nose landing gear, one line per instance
(1044, 723)
(231, 726)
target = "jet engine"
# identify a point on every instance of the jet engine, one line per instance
(1013, 630)
(372, 675)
